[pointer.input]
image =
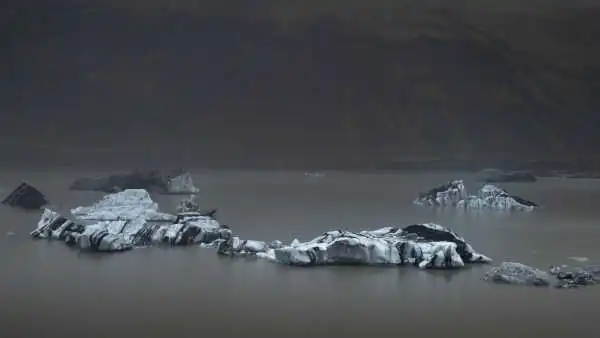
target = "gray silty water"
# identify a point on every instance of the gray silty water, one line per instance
(48, 289)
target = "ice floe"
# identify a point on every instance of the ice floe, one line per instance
(489, 196)
(424, 245)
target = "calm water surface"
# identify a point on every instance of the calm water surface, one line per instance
(47, 289)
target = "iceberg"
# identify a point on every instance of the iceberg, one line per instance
(424, 245)
(188, 205)
(448, 194)
(493, 197)
(489, 196)
(129, 204)
(565, 278)
(128, 219)
(517, 273)
(573, 278)
(123, 235)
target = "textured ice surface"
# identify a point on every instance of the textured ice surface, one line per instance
(493, 197)
(565, 277)
(489, 196)
(129, 204)
(568, 278)
(517, 273)
(182, 184)
(127, 219)
(424, 245)
(448, 194)
(188, 205)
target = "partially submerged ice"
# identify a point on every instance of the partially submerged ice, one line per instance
(448, 194)
(424, 245)
(454, 194)
(564, 277)
(170, 182)
(517, 273)
(124, 220)
(26, 196)
(493, 197)
(568, 278)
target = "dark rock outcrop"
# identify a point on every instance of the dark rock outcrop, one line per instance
(26, 196)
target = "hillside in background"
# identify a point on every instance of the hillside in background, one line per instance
(320, 82)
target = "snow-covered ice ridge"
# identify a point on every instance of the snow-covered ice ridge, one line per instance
(489, 196)
(128, 219)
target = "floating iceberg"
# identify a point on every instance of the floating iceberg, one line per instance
(517, 273)
(449, 194)
(489, 196)
(493, 197)
(521, 274)
(577, 277)
(127, 219)
(424, 245)
(173, 182)
(125, 205)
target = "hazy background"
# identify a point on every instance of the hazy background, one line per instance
(298, 83)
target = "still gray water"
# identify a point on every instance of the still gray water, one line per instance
(47, 289)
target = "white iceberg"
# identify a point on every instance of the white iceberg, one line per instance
(493, 197)
(455, 194)
(128, 204)
(127, 219)
(448, 194)
(424, 245)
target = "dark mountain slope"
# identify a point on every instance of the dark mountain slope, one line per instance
(320, 86)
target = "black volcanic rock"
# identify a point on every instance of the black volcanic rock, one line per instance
(26, 196)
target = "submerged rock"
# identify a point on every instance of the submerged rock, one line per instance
(493, 197)
(448, 194)
(174, 182)
(424, 245)
(517, 273)
(501, 176)
(26, 196)
(489, 196)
